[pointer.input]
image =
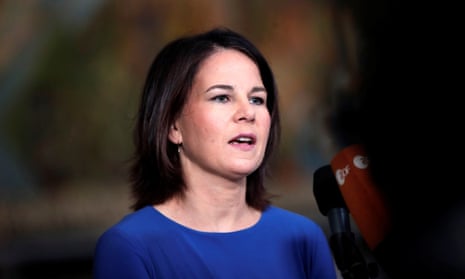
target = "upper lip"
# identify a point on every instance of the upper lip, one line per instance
(251, 137)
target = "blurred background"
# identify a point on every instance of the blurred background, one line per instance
(71, 73)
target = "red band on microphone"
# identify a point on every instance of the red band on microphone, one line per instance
(363, 199)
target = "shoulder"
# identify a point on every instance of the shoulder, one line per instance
(134, 226)
(300, 230)
(138, 219)
(122, 250)
(286, 215)
(289, 219)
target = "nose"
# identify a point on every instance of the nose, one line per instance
(245, 111)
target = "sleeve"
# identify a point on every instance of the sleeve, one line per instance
(322, 263)
(117, 257)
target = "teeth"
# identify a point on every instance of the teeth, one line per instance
(247, 140)
(244, 139)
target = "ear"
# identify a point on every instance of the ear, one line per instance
(174, 134)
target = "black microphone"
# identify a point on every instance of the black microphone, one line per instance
(348, 257)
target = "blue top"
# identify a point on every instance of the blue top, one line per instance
(147, 244)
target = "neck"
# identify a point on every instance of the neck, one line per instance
(213, 208)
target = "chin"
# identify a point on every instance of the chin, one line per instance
(242, 171)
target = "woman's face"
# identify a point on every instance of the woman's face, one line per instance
(225, 123)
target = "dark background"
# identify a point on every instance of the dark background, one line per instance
(70, 77)
(357, 71)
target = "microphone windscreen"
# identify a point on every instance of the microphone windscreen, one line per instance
(326, 190)
(366, 204)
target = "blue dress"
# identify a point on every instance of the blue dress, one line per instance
(147, 244)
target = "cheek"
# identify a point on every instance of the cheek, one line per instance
(204, 126)
(265, 119)
(213, 126)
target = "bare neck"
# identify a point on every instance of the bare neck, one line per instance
(212, 208)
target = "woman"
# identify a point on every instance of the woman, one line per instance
(207, 124)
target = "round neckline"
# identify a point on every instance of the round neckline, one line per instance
(188, 229)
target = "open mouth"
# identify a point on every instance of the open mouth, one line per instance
(243, 140)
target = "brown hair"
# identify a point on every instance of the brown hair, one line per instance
(156, 174)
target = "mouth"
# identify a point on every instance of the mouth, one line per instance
(244, 139)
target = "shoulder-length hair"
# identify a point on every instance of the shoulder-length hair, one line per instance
(155, 172)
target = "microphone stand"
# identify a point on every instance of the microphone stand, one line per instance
(349, 259)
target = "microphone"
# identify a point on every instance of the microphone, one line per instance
(331, 203)
(364, 200)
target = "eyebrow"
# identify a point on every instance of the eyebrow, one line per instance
(229, 87)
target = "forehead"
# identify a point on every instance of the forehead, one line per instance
(227, 61)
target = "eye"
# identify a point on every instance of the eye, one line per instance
(220, 98)
(257, 100)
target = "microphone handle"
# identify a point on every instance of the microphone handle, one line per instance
(349, 259)
(339, 220)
